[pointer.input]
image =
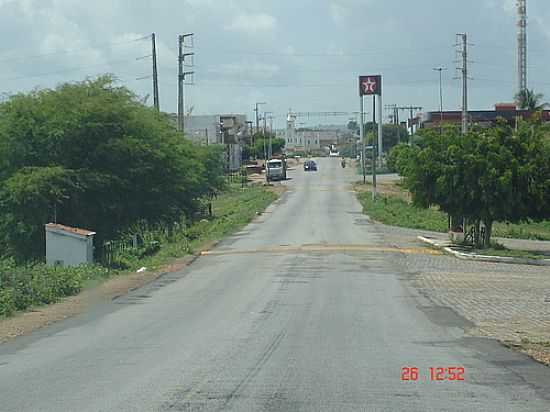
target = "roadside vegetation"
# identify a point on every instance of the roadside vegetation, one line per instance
(394, 209)
(497, 178)
(92, 155)
(23, 286)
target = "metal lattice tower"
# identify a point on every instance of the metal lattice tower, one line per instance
(522, 45)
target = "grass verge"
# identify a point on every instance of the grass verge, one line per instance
(505, 252)
(393, 209)
(24, 287)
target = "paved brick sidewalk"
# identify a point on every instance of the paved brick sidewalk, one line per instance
(505, 301)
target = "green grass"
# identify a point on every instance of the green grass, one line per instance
(232, 210)
(24, 287)
(395, 211)
(531, 230)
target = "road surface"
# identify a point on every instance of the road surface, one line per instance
(307, 309)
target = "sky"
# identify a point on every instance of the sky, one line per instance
(304, 55)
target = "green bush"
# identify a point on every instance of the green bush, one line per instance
(32, 285)
(92, 155)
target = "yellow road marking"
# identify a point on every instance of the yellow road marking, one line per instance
(320, 248)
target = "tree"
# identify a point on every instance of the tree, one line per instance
(531, 101)
(399, 158)
(487, 175)
(353, 126)
(103, 158)
(391, 134)
(257, 149)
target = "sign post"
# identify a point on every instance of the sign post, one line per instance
(370, 86)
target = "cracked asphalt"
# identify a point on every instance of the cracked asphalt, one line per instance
(309, 308)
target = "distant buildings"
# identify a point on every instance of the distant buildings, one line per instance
(484, 118)
(310, 139)
(227, 129)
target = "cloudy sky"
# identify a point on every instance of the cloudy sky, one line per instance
(299, 54)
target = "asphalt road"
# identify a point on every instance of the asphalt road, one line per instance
(305, 310)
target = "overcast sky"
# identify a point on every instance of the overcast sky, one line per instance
(299, 54)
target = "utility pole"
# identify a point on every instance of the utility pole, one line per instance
(462, 52)
(440, 70)
(270, 151)
(522, 45)
(394, 118)
(264, 133)
(155, 74)
(256, 110)
(411, 110)
(181, 77)
(257, 114)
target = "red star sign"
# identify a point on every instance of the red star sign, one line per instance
(369, 85)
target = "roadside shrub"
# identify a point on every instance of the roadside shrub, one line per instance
(38, 284)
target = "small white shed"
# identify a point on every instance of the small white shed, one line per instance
(68, 246)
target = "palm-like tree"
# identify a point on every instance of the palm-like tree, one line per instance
(529, 100)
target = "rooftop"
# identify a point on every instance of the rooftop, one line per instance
(73, 230)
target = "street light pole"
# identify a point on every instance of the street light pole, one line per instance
(440, 70)
(257, 112)
(270, 146)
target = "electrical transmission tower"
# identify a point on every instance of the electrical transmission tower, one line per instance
(522, 45)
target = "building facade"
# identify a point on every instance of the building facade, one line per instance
(227, 129)
(68, 246)
(483, 118)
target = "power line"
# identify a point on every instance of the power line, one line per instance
(71, 51)
(68, 70)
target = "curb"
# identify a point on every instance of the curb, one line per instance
(447, 248)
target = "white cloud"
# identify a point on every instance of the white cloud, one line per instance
(342, 10)
(251, 70)
(252, 23)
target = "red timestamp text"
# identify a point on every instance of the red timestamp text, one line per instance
(437, 374)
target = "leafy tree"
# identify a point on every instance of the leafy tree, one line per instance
(529, 100)
(353, 126)
(97, 152)
(391, 134)
(257, 149)
(487, 175)
(399, 158)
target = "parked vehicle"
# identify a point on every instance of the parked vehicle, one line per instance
(276, 169)
(310, 166)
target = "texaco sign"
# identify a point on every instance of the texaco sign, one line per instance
(369, 85)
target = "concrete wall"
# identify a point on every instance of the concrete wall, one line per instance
(69, 249)
(205, 130)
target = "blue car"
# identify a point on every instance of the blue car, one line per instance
(310, 166)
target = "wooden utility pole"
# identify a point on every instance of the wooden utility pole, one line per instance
(155, 74)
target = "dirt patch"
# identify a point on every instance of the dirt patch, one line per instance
(385, 188)
(277, 188)
(25, 323)
(538, 351)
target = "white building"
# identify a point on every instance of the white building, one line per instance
(68, 246)
(207, 130)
